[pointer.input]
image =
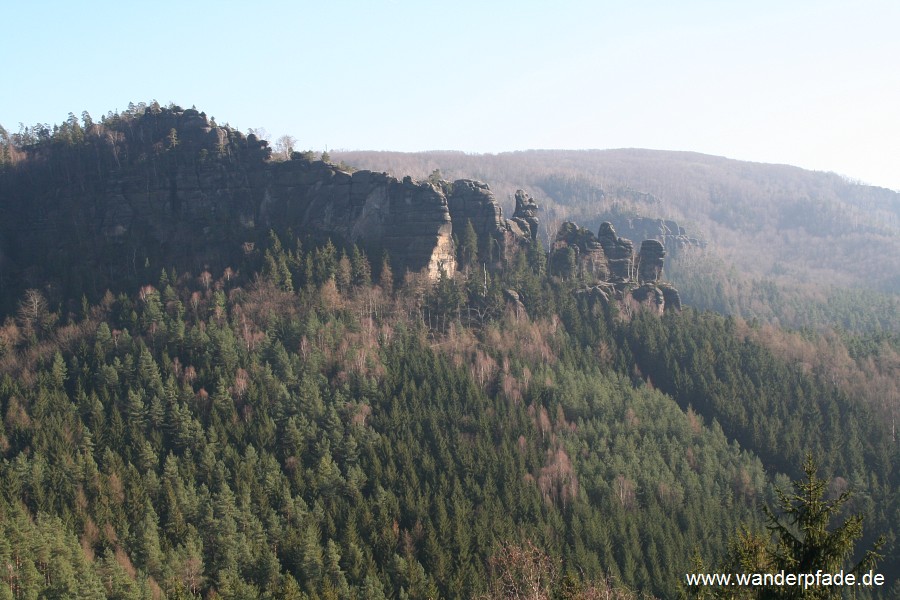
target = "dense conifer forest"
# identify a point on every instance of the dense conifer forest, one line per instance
(307, 423)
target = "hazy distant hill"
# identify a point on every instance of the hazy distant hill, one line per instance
(768, 220)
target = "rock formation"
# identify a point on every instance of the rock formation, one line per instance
(210, 205)
(473, 202)
(650, 296)
(498, 238)
(619, 252)
(670, 295)
(408, 219)
(597, 294)
(650, 261)
(607, 264)
(525, 215)
(515, 301)
(589, 258)
(658, 297)
(171, 188)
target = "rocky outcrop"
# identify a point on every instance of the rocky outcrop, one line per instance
(163, 187)
(650, 296)
(670, 295)
(608, 265)
(473, 202)
(577, 248)
(650, 261)
(410, 220)
(619, 252)
(210, 206)
(525, 215)
(172, 189)
(599, 294)
(166, 187)
(515, 301)
(658, 297)
(498, 238)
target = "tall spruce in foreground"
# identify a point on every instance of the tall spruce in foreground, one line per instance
(802, 542)
(805, 542)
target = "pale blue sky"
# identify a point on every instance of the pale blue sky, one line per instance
(810, 83)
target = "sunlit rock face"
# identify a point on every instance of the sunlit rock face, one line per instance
(410, 220)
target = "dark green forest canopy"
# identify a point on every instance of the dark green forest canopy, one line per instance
(305, 423)
(225, 434)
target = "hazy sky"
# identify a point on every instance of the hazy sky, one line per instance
(810, 83)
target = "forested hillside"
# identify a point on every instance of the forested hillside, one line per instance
(310, 422)
(812, 256)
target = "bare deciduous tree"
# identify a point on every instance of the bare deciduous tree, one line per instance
(33, 313)
(522, 572)
(284, 146)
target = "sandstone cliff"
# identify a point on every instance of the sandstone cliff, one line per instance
(169, 187)
(498, 238)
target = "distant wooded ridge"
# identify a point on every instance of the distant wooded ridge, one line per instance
(768, 220)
